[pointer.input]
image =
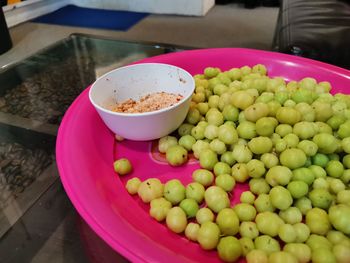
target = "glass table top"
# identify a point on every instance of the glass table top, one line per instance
(37, 221)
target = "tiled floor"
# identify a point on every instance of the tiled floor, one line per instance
(224, 26)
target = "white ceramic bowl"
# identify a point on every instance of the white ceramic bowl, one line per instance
(134, 82)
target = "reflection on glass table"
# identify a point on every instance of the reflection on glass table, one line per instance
(41, 88)
(37, 221)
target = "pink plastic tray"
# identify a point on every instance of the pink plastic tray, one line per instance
(86, 150)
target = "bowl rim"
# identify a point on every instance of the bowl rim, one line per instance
(148, 113)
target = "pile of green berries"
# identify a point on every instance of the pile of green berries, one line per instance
(290, 141)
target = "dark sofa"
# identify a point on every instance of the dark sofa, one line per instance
(5, 39)
(317, 29)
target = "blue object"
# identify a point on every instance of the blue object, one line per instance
(72, 15)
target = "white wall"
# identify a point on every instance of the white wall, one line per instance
(178, 7)
(24, 11)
